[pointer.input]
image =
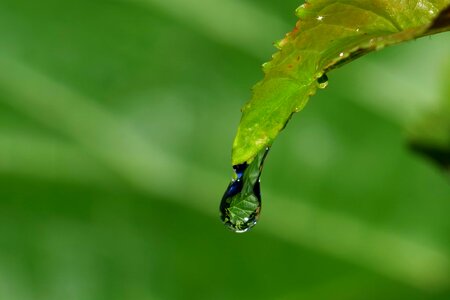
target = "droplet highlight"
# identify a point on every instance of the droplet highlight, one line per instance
(241, 204)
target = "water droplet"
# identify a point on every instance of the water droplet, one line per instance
(322, 81)
(241, 203)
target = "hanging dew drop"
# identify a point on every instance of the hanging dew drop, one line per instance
(241, 204)
(322, 81)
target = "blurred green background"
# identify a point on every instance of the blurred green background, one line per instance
(116, 124)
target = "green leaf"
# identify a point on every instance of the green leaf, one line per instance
(328, 35)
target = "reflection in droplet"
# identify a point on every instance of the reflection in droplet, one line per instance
(241, 204)
(322, 81)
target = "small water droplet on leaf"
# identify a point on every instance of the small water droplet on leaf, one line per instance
(322, 81)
